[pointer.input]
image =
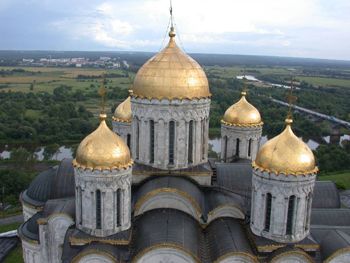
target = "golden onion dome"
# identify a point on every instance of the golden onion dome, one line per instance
(286, 154)
(242, 113)
(171, 74)
(102, 150)
(123, 112)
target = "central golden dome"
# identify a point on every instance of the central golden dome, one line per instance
(287, 154)
(242, 113)
(171, 74)
(102, 150)
(123, 112)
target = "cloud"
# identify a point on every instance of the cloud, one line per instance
(285, 27)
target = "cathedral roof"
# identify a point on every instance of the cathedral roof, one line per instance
(102, 150)
(286, 153)
(171, 74)
(242, 113)
(123, 112)
(56, 182)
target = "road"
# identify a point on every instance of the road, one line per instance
(11, 219)
(317, 114)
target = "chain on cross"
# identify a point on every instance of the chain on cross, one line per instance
(102, 91)
(291, 98)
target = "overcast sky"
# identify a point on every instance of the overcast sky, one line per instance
(298, 28)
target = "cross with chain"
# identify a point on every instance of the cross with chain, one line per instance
(102, 91)
(291, 99)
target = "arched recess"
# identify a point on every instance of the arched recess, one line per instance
(227, 210)
(58, 225)
(164, 253)
(341, 255)
(94, 256)
(293, 256)
(237, 257)
(168, 198)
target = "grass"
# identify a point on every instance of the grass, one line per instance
(329, 82)
(47, 79)
(15, 256)
(11, 212)
(341, 179)
(9, 227)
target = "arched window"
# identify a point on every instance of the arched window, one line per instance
(308, 211)
(98, 209)
(268, 212)
(137, 139)
(290, 215)
(249, 147)
(190, 142)
(171, 141)
(151, 141)
(81, 205)
(237, 147)
(119, 207)
(128, 140)
(203, 137)
(225, 149)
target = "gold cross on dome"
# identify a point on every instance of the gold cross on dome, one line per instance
(291, 98)
(102, 91)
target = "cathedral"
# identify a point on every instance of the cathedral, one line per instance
(146, 191)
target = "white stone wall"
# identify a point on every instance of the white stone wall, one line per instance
(281, 187)
(31, 252)
(342, 257)
(162, 112)
(123, 129)
(229, 136)
(292, 257)
(108, 182)
(94, 257)
(29, 211)
(164, 255)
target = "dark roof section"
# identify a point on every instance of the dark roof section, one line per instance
(39, 190)
(119, 253)
(168, 226)
(6, 245)
(333, 241)
(63, 182)
(60, 206)
(30, 229)
(56, 182)
(226, 235)
(215, 198)
(179, 183)
(325, 195)
(236, 177)
(330, 217)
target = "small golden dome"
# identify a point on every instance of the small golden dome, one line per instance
(242, 113)
(102, 150)
(171, 74)
(123, 112)
(286, 154)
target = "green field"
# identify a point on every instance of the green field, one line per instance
(342, 179)
(326, 82)
(15, 256)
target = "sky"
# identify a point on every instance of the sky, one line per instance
(293, 28)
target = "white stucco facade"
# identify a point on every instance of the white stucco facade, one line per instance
(103, 201)
(277, 220)
(186, 115)
(239, 142)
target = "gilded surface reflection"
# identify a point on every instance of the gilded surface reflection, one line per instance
(286, 153)
(102, 149)
(123, 112)
(242, 113)
(171, 74)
